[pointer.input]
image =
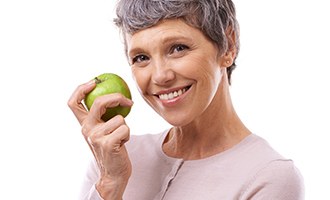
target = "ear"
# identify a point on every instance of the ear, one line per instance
(228, 58)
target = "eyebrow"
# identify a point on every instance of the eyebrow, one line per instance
(165, 40)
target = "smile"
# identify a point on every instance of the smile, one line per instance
(174, 94)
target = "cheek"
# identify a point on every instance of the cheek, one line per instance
(208, 74)
(189, 67)
(141, 79)
(202, 68)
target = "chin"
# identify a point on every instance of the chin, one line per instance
(177, 121)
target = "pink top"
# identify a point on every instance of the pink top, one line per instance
(249, 170)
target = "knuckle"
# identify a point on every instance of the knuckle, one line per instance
(125, 128)
(86, 129)
(124, 132)
(71, 102)
(93, 140)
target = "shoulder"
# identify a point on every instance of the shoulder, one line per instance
(272, 176)
(262, 149)
(253, 153)
(278, 179)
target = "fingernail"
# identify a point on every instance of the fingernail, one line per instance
(131, 102)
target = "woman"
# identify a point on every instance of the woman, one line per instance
(182, 54)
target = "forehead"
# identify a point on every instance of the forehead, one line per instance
(161, 32)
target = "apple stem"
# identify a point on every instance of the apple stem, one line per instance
(97, 81)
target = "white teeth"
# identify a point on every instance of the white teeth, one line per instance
(172, 95)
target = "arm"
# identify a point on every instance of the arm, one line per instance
(279, 180)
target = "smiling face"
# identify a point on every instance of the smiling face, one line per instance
(177, 70)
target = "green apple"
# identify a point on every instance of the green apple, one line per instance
(109, 83)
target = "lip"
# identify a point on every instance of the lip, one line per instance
(173, 101)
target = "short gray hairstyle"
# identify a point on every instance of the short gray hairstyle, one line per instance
(215, 18)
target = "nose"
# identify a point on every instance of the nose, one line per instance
(162, 73)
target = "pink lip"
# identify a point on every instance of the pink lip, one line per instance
(174, 101)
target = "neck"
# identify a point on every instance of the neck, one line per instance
(216, 130)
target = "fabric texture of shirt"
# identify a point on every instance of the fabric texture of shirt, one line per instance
(250, 170)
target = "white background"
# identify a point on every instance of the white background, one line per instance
(280, 88)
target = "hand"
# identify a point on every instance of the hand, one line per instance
(105, 139)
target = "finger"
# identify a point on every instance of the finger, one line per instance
(95, 131)
(113, 124)
(109, 142)
(75, 101)
(101, 103)
(118, 138)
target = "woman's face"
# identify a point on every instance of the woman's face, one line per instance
(177, 69)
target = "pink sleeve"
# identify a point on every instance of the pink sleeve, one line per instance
(88, 190)
(279, 180)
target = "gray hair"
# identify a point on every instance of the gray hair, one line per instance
(215, 18)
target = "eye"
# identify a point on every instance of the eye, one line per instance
(178, 48)
(140, 58)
